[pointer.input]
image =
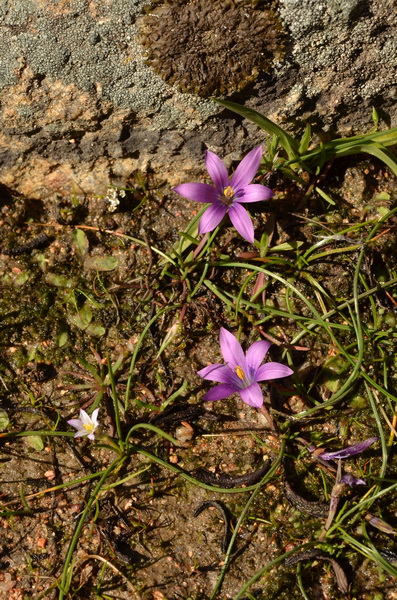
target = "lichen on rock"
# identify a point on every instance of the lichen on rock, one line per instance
(215, 47)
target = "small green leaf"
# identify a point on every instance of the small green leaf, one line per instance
(382, 211)
(95, 329)
(333, 384)
(80, 242)
(286, 246)
(4, 420)
(83, 318)
(102, 263)
(21, 279)
(62, 339)
(35, 441)
(383, 196)
(61, 281)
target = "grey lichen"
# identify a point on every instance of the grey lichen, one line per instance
(213, 47)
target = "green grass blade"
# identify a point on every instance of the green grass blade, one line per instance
(305, 141)
(289, 144)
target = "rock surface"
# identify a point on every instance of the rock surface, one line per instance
(80, 109)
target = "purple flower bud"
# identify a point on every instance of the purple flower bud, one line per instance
(380, 524)
(349, 451)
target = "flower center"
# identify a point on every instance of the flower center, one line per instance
(227, 195)
(89, 427)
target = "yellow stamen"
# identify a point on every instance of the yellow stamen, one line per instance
(227, 196)
(240, 373)
(89, 427)
(228, 192)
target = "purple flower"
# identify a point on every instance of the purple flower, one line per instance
(228, 195)
(86, 425)
(242, 371)
(349, 451)
(351, 480)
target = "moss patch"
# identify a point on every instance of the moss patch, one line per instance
(213, 47)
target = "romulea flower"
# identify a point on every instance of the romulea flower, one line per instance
(349, 451)
(228, 195)
(352, 480)
(85, 425)
(242, 371)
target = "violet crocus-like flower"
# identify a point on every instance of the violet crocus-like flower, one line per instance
(86, 425)
(242, 371)
(228, 195)
(349, 451)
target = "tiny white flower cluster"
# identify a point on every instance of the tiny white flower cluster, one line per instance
(112, 197)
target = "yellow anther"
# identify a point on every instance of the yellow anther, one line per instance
(89, 427)
(228, 192)
(240, 373)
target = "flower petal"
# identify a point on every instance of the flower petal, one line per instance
(252, 395)
(220, 373)
(247, 169)
(85, 417)
(219, 392)
(216, 169)
(242, 222)
(254, 193)
(349, 451)
(94, 417)
(198, 192)
(77, 423)
(212, 217)
(80, 433)
(272, 370)
(256, 353)
(231, 350)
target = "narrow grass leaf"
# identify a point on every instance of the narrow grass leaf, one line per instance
(325, 196)
(289, 144)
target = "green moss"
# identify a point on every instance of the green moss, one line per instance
(213, 47)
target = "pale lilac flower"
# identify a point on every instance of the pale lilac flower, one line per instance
(86, 425)
(242, 371)
(349, 451)
(228, 194)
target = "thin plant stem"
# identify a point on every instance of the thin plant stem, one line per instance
(115, 400)
(74, 541)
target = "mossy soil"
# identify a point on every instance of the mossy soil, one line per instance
(86, 297)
